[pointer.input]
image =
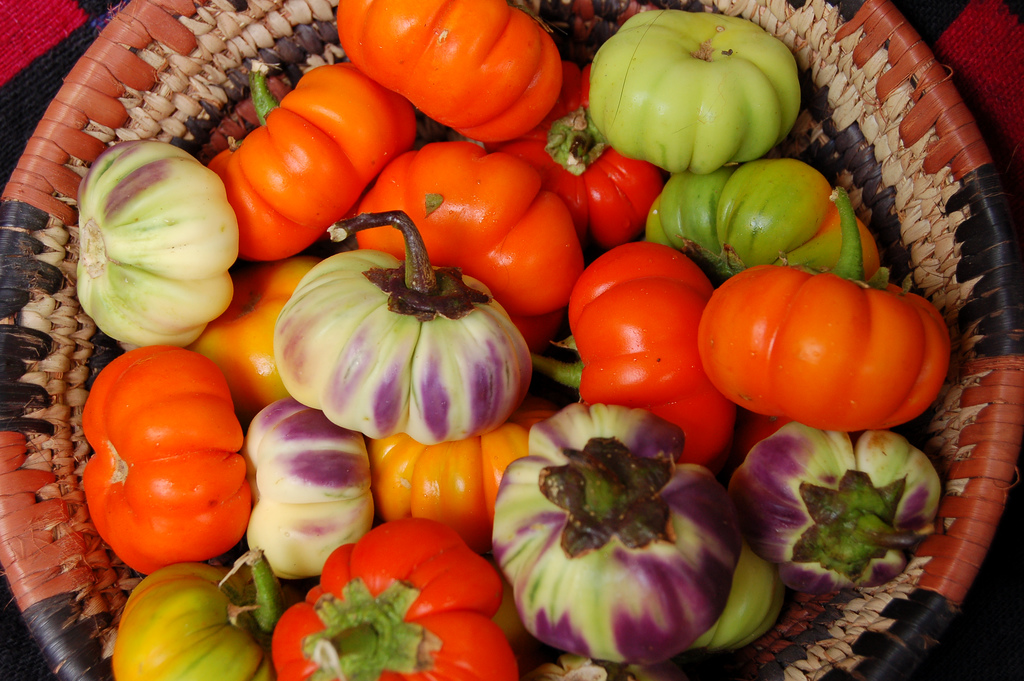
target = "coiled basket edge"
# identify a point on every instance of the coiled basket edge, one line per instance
(880, 117)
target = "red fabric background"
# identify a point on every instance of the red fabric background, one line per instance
(983, 47)
(28, 32)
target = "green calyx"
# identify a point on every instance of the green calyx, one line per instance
(608, 492)
(853, 524)
(574, 142)
(416, 289)
(364, 637)
(451, 297)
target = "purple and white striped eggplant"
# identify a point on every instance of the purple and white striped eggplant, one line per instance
(157, 238)
(570, 667)
(386, 348)
(310, 481)
(832, 513)
(614, 551)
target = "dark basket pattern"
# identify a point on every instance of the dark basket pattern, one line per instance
(880, 117)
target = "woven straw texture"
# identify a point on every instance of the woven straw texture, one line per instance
(880, 118)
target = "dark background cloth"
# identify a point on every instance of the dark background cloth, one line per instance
(981, 41)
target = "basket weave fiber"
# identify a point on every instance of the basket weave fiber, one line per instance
(880, 117)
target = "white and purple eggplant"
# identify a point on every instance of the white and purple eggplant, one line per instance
(157, 236)
(384, 347)
(310, 481)
(614, 551)
(834, 513)
(570, 667)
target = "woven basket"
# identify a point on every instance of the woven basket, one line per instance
(880, 118)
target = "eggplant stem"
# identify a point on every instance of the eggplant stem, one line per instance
(904, 540)
(419, 273)
(850, 264)
(262, 99)
(568, 374)
(269, 595)
(259, 604)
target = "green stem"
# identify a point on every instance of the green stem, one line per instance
(850, 264)
(876, 531)
(416, 289)
(568, 374)
(269, 596)
(262, 99)
(569, 343)
(256, 597)
(717, 266)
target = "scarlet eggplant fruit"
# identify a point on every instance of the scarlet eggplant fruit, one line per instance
(831, 512)
(772, 210)
(408, 601)
(693, 90)
(634, 314)
(489, 215)
(484, 67)
(614, 551)
(454, 482)
(608, 194)
(825, 348)
(196, 621)
(241, 340)
(310, 481)
(166, 483)
(383, 347)
(319, 148)
(154, 267)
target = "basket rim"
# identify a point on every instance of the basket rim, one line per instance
(39, 190)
